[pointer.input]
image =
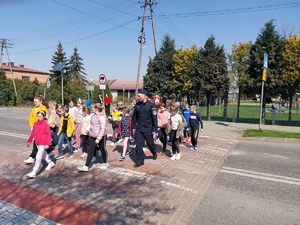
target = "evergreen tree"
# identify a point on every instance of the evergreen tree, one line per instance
(211, 72)
(158, 79)
(59, 56)
(4, 90)
(270, 42)
(77, 70)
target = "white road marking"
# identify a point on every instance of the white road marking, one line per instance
(180, 187)
(14, 135)
(262, 176)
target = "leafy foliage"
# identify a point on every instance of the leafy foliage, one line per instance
(211, 74)
(4, 90)
(158, 79)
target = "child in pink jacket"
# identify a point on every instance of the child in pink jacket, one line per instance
(42, 136)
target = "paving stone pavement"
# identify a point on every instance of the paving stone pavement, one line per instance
(160, 192)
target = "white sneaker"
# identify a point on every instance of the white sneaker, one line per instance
(31, 175)
(112, 144)
(50, 165)
(29, 160)
(104, 166)
(178, 156)
(120, 140)
(83, 155)
(173, 157)
(83, 168)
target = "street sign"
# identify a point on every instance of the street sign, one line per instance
(89, 87)
(102, 87)
(102, 79)
(265, 67)
(48, 84)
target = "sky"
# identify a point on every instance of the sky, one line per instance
(106, 32)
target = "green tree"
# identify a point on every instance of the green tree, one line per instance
(239, 61)
(184, 64)
(211, 74)
(4, 90)
(291, 68)
(77, 70)
(59, 56)
(270, 42)
(75, 89)
(158, 79)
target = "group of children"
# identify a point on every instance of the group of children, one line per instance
(53, 124)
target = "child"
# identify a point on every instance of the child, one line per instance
(164, 117)
(186, 112)
(125, 129)
(39, 104)
(97, 139)
(195, 121)
(78, 124)
(42, 136)
(85, 131)
(66, 130)
(175, 129)
(115, 117)
(53, 127)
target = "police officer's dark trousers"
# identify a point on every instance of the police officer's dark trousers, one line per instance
(140, 138)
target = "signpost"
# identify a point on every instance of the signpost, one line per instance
(102, 82)
(264, 78)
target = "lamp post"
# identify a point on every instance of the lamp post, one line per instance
(123, 86)
(59, 67)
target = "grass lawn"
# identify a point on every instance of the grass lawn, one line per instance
(270, 133)
(250, 114)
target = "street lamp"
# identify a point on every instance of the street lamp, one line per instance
(123, 86)
(59, 67)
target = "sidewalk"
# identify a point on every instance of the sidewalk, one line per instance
(160, 192)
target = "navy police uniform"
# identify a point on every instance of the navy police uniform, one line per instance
(145, 122)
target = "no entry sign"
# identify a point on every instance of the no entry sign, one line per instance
(102, 79)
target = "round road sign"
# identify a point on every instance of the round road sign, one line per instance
(102, 79)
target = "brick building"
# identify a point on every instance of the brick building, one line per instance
(21, 73)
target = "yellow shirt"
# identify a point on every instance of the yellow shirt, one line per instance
(33, 115)
(116, 116)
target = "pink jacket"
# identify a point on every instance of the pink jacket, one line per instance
(78, 115)
(41, 133)
(97, 126)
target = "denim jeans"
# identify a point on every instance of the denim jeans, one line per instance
(61, 139)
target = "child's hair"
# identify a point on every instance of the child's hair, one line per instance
(126, 110)
(193, 107)
(41, 99)
(86, 110)
(42, 112)
(99, 107)
(52, 103)
(115, 107)
(65, 108)
(174, 109)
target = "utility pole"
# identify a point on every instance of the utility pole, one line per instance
(1, 53)
(4, 45)
(153, 27)
(142, 41)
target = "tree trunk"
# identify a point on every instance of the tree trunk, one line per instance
(225, 105)
(290, 110)
(208, 106)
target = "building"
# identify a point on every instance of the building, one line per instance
(128, 86)
(22, 73)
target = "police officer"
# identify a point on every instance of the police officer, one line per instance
(144, 126)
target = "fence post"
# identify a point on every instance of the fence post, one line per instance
(273, 116)
(200, 111)
(233, 114)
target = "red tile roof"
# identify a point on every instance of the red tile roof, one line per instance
(129, 84)
(21, 68)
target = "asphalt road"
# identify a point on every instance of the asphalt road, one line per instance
(259, 183)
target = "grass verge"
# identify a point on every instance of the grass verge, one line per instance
(270, 133)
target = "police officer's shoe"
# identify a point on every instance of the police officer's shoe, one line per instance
(154, 155)
(138, 164)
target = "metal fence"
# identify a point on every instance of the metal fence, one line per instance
(251, 115)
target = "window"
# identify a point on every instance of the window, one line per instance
(25, 78)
